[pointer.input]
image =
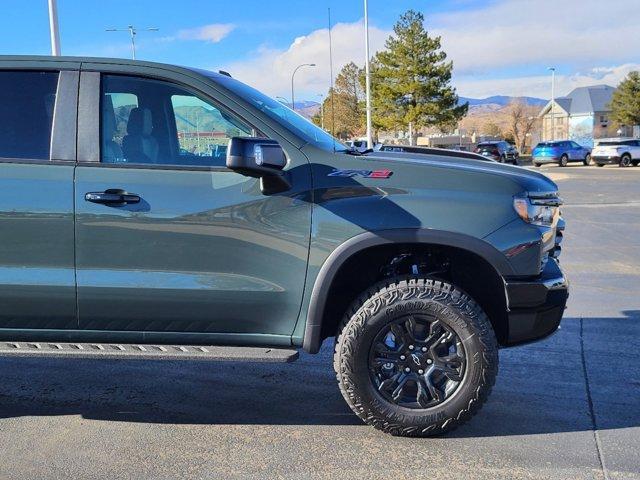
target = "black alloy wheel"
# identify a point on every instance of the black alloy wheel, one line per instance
(417, 362)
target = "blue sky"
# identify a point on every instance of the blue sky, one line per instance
(498, 47)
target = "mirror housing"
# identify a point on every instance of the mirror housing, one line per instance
(259, 158)
(255, 157)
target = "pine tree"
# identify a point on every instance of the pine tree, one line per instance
(625, 102)
(411, 81)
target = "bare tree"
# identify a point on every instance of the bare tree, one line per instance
(522, 121)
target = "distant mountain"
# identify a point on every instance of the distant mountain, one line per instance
(306, 108)
(302, 104)
(503, 100)
(309, 108)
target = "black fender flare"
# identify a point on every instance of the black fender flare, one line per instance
(312, 339)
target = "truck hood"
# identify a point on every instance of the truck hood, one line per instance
(528, 180)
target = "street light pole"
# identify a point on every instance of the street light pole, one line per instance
(367, 74)
(553, 102)
(293, 102)
(133, 31)
(53, 28)
(321, 110)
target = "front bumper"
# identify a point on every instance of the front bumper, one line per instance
(606, 159)
(536, 306)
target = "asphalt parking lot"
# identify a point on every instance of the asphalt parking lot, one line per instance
(568, 407)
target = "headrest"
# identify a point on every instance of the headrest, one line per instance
(108, 117)
(140, 122)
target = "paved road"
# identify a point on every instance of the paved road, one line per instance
(568, 407)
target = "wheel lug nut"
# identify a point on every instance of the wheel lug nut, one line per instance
(402, 357)
(424, 349)
(407, 369)
(429, 361)
(410, 347)
(420, 372)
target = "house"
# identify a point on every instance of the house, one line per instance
(582, 116)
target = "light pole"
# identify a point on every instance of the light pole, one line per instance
(53, 28)
(133, 31)
(367, 74)
(553, 102)
(321, 110)
(293, 102)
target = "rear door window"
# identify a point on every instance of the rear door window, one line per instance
(27, 102)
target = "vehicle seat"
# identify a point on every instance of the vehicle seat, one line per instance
(111, 151)
(139, 145)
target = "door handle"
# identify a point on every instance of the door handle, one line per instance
(114, 197)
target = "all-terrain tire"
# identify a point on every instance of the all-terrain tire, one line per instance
(377, 308)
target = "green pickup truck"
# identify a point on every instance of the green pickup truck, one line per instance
(155, 211)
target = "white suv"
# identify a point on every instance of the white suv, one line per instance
(621, 152)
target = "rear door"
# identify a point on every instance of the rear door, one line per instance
(200, 249)
(635, 149)
(577, 151)
(37, 157)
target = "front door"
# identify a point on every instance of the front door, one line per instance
(168, 239)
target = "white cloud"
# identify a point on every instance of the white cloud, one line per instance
(270, 69)
(540, 85)
(490, 47)
(512, 33)
(212, 33)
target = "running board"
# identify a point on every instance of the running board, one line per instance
(138, 351)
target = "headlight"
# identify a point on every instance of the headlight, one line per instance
(537, 209)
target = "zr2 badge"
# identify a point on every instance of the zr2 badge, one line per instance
(361, 173)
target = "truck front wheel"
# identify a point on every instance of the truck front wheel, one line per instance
(415, 357)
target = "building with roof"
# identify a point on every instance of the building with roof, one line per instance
(583, 115)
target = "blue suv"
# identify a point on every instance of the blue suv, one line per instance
(561, 152)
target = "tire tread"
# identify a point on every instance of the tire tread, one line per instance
(387, 293)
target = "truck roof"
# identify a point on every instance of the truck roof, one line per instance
(35, 61)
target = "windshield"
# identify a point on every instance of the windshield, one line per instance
(281, 113)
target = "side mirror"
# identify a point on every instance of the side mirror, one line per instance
(259, 158)
(255, 157)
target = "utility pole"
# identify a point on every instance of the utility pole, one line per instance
(133, 31)
(553, 103)
(293, 75)
(53, 28)
(321, 110)
(367, 70)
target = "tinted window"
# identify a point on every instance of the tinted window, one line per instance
(27, 100)
(148, 121)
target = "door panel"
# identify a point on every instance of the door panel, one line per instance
(199, 248)
(37, 284)
(200, 252)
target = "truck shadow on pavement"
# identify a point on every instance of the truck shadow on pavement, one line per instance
(541, 387)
